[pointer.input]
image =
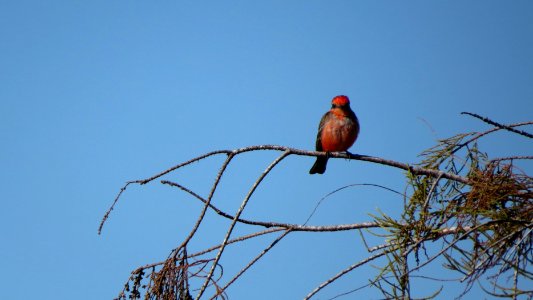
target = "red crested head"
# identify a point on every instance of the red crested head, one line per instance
(340, 101)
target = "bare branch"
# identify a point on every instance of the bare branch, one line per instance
(113, 205)
(489, 121)
(251, 263)
(292, 227)
(345, 187)
(412, 169)
(430, 194)
(237, 215)
(235, 240)
(204, 210)
(511, 158)
(227, 152)
(232, 153)
(343, 272)
(239, 239)
(481, 134)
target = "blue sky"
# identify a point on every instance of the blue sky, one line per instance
(95, 93)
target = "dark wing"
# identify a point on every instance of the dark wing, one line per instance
(353, 117)
(318, 145)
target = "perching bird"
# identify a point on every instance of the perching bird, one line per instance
(337, 131)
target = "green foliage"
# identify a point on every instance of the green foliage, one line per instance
(484, 226)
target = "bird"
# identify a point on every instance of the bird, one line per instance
(337, 131)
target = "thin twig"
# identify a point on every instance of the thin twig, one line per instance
(345, 187)
(508, 128)
(235, 240)
(238, 239)
(198, 158)
(206, 206)
(345, 271)
(236, 217)
(113, 205)
(511, 158)
(481, 134)
(394, 248)
(372, 283)
(292, 227)
(251, 263)
(431, 190)
(496, 246)
(447, 232)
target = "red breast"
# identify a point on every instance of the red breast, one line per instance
(339, 131)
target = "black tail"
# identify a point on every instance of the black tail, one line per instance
(320, 165)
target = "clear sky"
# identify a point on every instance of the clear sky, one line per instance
(95, 93)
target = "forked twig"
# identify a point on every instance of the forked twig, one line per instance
(252, 262)
(206, 206)
(236, 217)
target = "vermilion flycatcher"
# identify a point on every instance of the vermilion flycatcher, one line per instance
(337, 131)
